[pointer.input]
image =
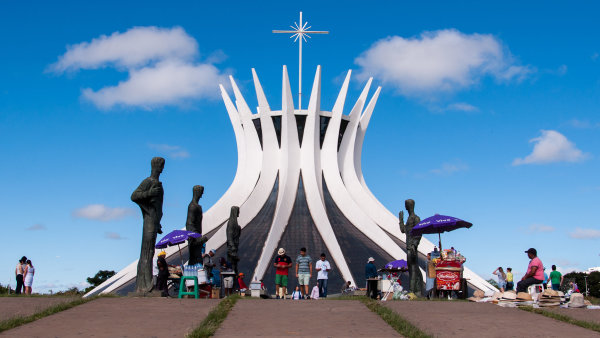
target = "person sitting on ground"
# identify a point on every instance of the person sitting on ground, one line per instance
(347, 287)
(535, 272)
(297, 295)
(509, 279)
(556, 278)
(501, 278)
(574, 287)
(314, 294)
(242, 284)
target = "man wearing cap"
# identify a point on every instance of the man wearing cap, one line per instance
(370, 274)
(535, 272)
(282, 263)
(208, 264)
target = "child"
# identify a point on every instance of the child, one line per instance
(241, 283)
(315, 293)
(296, 295)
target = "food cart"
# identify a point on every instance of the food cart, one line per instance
(449, 273)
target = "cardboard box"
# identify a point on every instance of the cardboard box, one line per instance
(216, 293)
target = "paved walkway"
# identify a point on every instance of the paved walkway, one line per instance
(314, 318)
(26, 305)
(121, 317)
(465, 319)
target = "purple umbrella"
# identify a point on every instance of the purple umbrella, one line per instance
(439, 223)
(176, 237)
(399, 264)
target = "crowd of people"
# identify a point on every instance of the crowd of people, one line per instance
(24, 273)
(304, 272)
(535, 275)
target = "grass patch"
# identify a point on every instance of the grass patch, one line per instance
(215, 318)
(401, 325)
(18, 321)
(582, 323)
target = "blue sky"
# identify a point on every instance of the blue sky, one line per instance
(489, 112)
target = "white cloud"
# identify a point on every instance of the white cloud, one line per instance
(167, 82)
(449, 168)
(136, 47)
(100, 212)
(583, 124)
(159, 61)
(580, 233)
(535, 228)
(552, 146)
(444, 60)
(462, 106)
(170, 151)
(36, 227)
(113, 236)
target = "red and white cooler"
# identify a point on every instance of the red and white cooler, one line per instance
(448, 275)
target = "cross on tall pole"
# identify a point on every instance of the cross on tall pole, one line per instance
(300, 32)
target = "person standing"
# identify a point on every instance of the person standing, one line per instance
(208, 264)
(535, 271)
(28, 277)
(304, 271)
(509, 279)
(323, 267)
(556, 278)
(282, 264)
(370, 274)
(501, 278)
(19, 272)
(430, 279)
(163, 274)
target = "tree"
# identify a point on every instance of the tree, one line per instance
(494, 283)
(100, 277)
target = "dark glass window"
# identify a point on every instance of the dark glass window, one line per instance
(256, 122)
(277, 124)
(300, 122)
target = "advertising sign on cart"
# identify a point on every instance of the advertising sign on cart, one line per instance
(448, 275)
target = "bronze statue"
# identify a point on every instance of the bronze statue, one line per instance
(149, 196)
(412, 244)
(234, 230)
(194, 223)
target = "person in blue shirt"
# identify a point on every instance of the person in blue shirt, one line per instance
(371, 272)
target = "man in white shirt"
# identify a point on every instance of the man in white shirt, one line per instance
(323, 267)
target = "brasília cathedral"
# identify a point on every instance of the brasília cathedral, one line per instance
(298, 184)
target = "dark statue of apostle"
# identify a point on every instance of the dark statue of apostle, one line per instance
(412, 244)
(234, 230)
(149, 197)
(194, 223)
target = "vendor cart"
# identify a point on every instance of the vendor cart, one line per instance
(449, 277)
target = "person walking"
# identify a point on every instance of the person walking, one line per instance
(370, 274)
(501, 278)
(19, 272)
(28, 277)
(509, 279)
(282, 264)
(304, 271)
(323, 267)
(556, 278)
(535, 271)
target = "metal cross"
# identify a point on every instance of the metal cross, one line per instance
(300, 32)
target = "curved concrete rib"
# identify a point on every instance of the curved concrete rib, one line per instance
(335, 185)
(289, 174)
(310, 153)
